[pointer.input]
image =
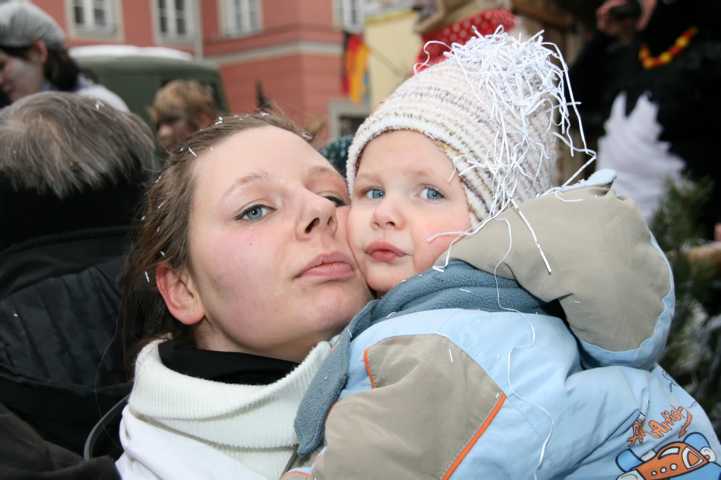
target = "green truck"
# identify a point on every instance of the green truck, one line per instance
(136, 73)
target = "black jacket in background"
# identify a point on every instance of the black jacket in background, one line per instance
(60, 261)
(60, 359)
(24, 455)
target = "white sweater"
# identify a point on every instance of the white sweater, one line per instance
(177, 426)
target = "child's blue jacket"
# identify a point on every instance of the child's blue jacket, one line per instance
(462, 373)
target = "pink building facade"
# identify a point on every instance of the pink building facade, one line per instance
(292, 48)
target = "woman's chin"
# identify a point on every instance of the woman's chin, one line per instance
(338, 306)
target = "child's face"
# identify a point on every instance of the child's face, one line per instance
(405, 192)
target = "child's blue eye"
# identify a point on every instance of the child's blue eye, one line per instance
(375, 194)
(430, 193)
(254, 213)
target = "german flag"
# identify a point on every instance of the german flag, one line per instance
(355, 67)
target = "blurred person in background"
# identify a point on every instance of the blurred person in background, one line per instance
(648, 83)
(33, 57)
(180, 108)
(336, 152)
(72, 170)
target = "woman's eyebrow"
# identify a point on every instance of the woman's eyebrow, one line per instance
(245, 180)
(326, 174)
(323, 170)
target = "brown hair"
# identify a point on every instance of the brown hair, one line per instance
(162, 232)
(183, 98)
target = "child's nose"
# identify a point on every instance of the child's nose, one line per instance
(386, 215)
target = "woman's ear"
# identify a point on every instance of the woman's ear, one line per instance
(39, 52)
(179, 293)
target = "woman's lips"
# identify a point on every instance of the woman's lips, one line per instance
(384, 252)
(330, 270)
(333, 266)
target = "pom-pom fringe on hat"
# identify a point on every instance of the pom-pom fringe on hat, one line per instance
(498, 104)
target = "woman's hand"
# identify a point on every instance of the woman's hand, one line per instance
(620, 27)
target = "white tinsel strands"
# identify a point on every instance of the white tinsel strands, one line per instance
(518, 80)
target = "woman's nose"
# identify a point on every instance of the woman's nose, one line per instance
(318, 216)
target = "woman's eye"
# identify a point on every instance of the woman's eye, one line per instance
(254, 213)
(430, 193)
(337, 200)
(374, 193)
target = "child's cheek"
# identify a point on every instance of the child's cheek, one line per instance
(354, 231)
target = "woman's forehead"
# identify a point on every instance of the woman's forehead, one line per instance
(263, 145)
(264, 153)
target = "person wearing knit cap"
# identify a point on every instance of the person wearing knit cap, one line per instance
(33, 57)
(464, 124)
(518, 325)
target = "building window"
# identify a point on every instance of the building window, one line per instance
(349, 14)
(93, 15)
(174, 18)
(241, 17)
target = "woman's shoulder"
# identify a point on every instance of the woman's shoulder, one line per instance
(153, 452)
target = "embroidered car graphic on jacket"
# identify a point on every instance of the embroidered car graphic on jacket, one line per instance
(690, 459)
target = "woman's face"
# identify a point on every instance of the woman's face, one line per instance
(20, 77)
(270, 263)
(173, 130)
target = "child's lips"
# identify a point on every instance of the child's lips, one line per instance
(384, 256)
(384, 252)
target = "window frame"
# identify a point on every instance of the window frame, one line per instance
(232, 9)
(171, 20)
(90, 25)
(343, 13)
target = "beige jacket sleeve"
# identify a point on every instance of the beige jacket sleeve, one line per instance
(398, 428)
(591, 251)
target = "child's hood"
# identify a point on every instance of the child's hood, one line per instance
(603, 266)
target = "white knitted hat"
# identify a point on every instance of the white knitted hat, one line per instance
(496, 102)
